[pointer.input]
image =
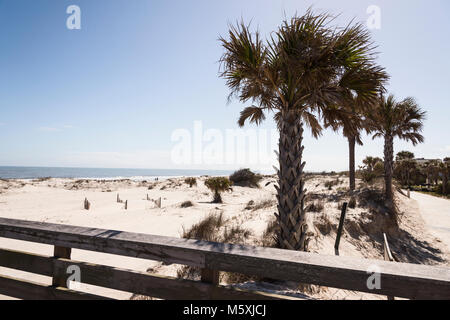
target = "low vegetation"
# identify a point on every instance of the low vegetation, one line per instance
(218, 185)
(263, 204)
(245, 178)
(331, 183)
(315, 206)
(206, 229)
(215, 228)
(371, 170)
(186, 204)
(191, 181)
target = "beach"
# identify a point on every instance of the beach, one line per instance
(58, 200)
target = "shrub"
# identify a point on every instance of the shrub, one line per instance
(250, 205)
(352, 203)
(331, 183)
(209, 229)
(236, 234)
(218, 185)
(269, 237)
(191, 181)
(316, 206)
(206, 229)
(186, 204)
(245, 178)
(263, 204)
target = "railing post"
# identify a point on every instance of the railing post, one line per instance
(211, 277)
(387, 256)
(59, 277)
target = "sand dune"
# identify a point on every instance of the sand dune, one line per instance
(61, 201)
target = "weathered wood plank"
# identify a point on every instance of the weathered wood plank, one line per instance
(24, 261)
(128, 280)
(59, 276)
(28, 290)
(210, 276)
(397, 279)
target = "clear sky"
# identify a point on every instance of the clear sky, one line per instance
(113, 93)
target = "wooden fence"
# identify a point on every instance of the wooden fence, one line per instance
(397, 279)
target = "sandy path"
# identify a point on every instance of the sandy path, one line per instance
(436, 213)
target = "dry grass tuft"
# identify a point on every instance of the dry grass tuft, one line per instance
(191, 181)
(316, 206)
(206, 229)
(263, 204)
(352, 203)
(213, 228)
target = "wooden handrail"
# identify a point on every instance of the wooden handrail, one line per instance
(397, 279)
(143, 283)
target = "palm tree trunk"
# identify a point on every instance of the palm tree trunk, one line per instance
(351, 166)
(388, 168)
(292, 233)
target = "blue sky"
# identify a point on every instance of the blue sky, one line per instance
(113, 93)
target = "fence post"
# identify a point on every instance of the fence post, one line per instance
(387, 256)
(59, 276)
(210, 276)
(341, 226)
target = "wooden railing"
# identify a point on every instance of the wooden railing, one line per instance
(397, 279)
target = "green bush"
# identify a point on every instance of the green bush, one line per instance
(245, 178)
(191, 181)
(218, 185)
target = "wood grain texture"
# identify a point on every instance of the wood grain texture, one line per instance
(397, 279)
(60, 276)
(22, 289)
(143, 283)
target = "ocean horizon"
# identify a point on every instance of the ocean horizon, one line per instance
(18, 172)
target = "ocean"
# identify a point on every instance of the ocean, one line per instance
(101, 173)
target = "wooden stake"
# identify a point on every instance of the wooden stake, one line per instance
(126, 204)
(341, 226)
(87, 204)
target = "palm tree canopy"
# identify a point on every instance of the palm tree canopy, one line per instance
(404, 155)
(348, 119)
(304, 67)
(402, 119)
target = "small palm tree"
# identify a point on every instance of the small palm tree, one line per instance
(391, 119)
(404, 155)
(218, 185)
(302, 69)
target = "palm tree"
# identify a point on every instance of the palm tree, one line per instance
(304, 67)
(352, 123)
(218, 185)
(404, 155)
(391, 119)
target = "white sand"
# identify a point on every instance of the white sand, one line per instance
(436, 213)
(61, 201)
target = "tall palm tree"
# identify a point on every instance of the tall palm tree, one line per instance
(301, 69)
(352, 123)
(391, 119)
